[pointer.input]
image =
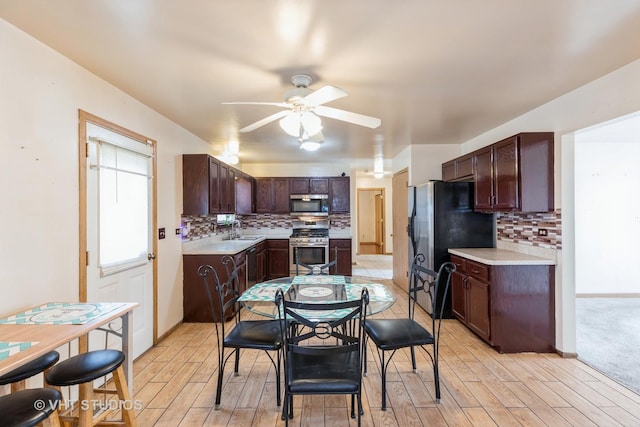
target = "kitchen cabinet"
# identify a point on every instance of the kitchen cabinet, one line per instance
(277, 258)
(272, 195)
(459, 169)
(515, 174)
(470, 296)
(245, 200)
(339, 194)
(509, 306)
(308, 185)
(261, 261)
(195, 302)
(340, 249)
(208, 185)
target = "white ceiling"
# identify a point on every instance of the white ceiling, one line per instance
(434, 71)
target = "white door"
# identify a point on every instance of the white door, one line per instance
(119, 215)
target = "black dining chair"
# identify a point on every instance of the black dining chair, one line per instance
(238, 334)
(324, 269)
(322, 356)
(394, 334)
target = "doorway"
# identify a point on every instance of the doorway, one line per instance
(117, 222)
(371, 221)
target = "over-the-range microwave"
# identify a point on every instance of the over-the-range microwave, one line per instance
(309, 204)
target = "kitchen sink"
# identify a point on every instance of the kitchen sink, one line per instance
(249, 238)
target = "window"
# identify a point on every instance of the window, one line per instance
(124, 189)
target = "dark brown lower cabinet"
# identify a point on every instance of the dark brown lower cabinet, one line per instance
(340, 249)
(511, 307)
(277, 258)
(195, 302)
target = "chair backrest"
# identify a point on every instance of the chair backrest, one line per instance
(305, 331)
(222, 296)
(324, 269)
(422, 279)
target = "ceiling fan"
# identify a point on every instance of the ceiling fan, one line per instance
(304, 107)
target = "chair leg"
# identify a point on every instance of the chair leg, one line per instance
(364, 356)
(383, 373)
(436, 379)
(236, 365)
(278, 387)
(52, 421)
(353, 406)
(219, 389)
(413, 360)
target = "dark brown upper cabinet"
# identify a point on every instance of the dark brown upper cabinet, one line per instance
(460, 169)
(245, 198)
(208, 185)
(339, 196)
(272, 195)
(515, 174)
(305, 185)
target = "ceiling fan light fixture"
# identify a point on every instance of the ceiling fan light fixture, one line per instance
(311, 123)
(291, 124)
(310, 145)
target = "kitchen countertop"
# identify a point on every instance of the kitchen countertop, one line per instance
(494, 256)
(220, 247)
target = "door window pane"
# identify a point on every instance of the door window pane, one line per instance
(123, 207)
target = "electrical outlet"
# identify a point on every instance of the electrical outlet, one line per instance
(178, 231)
(542, 232)
(162, 233)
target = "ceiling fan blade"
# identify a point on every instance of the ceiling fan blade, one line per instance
(276, 104)
(347, 116)
(266, 120)
(324, 95)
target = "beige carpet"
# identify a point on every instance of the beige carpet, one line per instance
(608, 337)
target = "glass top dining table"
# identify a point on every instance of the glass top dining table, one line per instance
(260, 297)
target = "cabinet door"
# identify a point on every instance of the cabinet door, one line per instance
(484, 180)
(318, 185)
(340, 249)
(280, 195)
(224, 187)
(214, 185)
(244, 195)
(195, 184)
(459, 296)
(449, 171)
(231, 188)
(339, 201)
(299, 185)
(505, 179)
(478, 307)
(277, 258)
(264, 195)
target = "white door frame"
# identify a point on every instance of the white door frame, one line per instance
(83, 119)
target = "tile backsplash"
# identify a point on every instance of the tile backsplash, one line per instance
(205, 226)
(522, 228)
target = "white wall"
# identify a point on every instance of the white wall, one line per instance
(614, 95)
(608, 226)
(426, 161)
(41, 94)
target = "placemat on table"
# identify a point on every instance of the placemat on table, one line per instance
(61, 313)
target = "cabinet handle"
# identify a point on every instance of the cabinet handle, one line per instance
(474, 271)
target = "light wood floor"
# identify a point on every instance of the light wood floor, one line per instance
(175, 383)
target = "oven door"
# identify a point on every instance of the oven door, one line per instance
(308, 254)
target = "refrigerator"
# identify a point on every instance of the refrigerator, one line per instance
(441, 216)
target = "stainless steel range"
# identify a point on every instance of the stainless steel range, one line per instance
(309, 242)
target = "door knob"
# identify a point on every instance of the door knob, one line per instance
(151, 256)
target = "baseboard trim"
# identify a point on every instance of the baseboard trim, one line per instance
(169, 332)
(567, 355)
(605, 295)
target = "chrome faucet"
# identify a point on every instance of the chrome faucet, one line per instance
(234, 230)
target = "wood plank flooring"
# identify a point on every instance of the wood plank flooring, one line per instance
(175, 383)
